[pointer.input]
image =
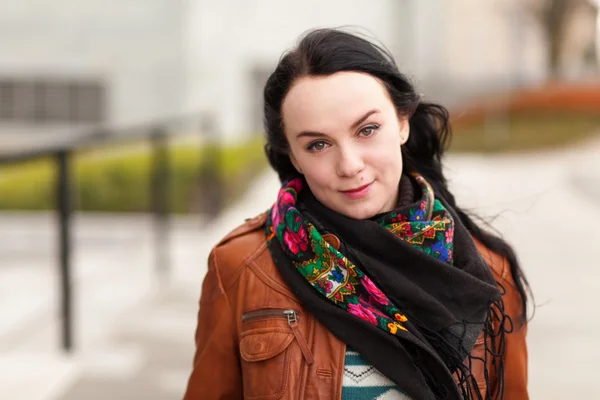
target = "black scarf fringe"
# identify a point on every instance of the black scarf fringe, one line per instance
(495, 328)
(497, 325)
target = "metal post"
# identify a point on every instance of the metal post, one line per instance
(160, 199)
(216, 162)
(211, 174)
(64, 211)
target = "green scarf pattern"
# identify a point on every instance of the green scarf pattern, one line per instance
(426, 225)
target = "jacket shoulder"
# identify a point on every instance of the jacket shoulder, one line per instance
(497, 263)
(250, 225)
(238, 248)
(502, 272)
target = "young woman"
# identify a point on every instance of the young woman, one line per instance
(365, 279)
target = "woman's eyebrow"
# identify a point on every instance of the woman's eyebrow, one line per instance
(310, 134)
(363, 118)
(353, 126)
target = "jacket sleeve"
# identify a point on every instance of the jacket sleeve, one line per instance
(216, 371)
(515, 361)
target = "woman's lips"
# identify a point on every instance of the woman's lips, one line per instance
(358, 192)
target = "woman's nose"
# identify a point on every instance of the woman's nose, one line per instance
(350, 162)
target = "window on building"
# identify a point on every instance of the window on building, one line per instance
(7, 100)
(43, 101)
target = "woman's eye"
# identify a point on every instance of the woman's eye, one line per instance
(368, 130)
(317, 146)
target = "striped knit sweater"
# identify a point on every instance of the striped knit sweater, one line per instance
(363, 381)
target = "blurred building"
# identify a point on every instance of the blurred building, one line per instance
(581, 55)
(453, 49)
(70, 63)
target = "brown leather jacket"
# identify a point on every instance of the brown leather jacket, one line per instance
(255, 340)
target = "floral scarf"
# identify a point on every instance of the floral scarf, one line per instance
(364, 280)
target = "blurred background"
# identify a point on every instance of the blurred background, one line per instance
(130, 142)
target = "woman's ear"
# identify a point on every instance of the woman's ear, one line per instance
(404, 129)
(295, 163)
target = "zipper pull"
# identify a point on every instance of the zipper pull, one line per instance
(292, 318)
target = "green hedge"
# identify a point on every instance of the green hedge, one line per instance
(118, 180)
(525, 131)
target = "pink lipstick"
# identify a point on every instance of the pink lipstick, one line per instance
(358, 192)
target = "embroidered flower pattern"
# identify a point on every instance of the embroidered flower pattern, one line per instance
(374, 291)
(426, 225)
(363, 312)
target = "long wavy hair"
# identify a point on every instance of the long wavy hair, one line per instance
(324, 52)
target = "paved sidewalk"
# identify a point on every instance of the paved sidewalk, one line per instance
(546, 206)
(133, 329)
(134, 332)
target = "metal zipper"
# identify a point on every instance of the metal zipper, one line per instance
(292, 318)
(290, 314)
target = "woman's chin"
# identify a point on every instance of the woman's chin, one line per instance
(359, 211)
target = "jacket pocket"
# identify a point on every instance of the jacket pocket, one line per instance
(265, 351)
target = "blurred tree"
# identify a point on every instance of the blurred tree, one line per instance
(554, 17)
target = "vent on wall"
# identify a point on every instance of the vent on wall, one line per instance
(47, 101)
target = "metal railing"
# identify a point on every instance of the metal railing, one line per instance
(62, 153)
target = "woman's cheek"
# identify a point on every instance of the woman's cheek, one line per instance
(320, 168)
(316, 172)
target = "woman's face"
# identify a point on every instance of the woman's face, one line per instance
(345, 136)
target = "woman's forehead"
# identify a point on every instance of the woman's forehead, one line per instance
(325, 102)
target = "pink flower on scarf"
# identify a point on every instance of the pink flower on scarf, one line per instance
(287, 198)
(295, 184)
(374, 291)
(325, 285)
(450, 234)
(362, 312)
(296, 241)
(275, 216)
